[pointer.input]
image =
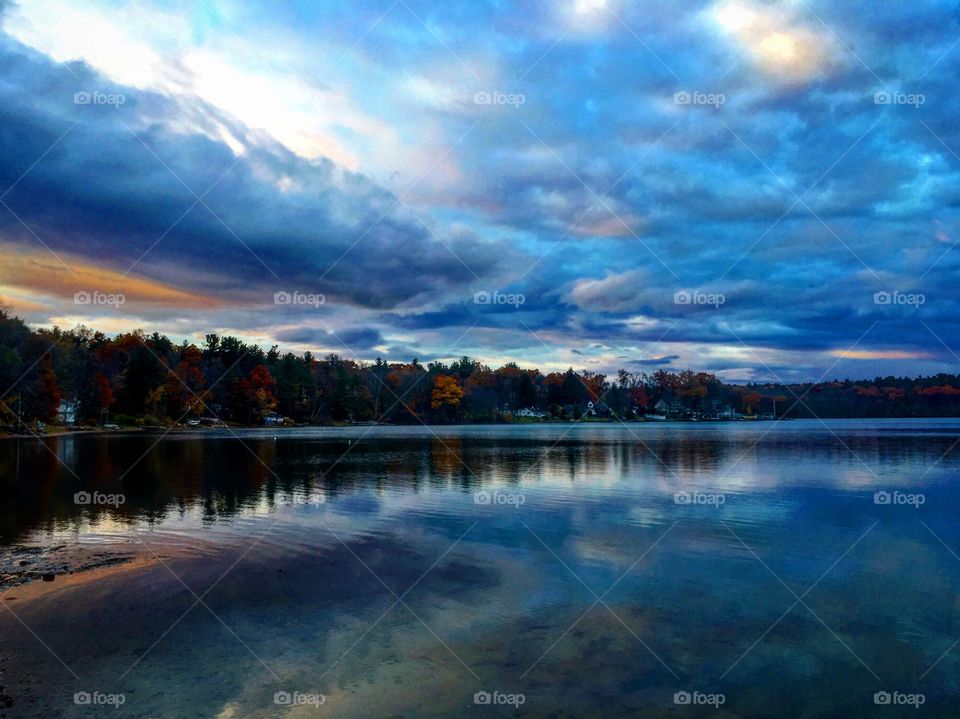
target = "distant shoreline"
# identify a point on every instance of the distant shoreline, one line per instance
(63, 431)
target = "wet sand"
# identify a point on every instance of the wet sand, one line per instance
(23, 564)
(28, 663)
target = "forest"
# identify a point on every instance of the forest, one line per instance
(136, 379)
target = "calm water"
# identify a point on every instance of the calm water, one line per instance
(596, 570)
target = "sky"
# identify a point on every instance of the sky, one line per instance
(765, 190)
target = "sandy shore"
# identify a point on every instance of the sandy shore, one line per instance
(23, 564)
(26, 670)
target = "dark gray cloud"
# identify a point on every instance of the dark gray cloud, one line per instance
(654, 361)
(120, 186)
(351, 339)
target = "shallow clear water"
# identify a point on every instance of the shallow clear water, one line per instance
(601, 569)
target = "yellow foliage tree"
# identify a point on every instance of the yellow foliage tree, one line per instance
(446, 392)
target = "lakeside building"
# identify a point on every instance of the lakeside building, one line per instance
(67, 412)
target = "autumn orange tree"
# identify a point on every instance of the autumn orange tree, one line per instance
(185, 385)
(446, 394)
(264, 387)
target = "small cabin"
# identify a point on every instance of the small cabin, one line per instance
(67, 412)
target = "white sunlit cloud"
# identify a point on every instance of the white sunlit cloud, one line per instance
(153, 50)
(587, 17)
(775, 38)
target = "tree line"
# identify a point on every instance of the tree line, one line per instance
(146, 379)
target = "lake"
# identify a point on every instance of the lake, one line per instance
(747, 569)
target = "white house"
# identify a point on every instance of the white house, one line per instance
(67, 412)
(530, 412)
